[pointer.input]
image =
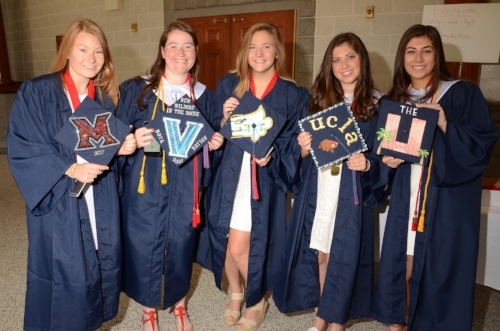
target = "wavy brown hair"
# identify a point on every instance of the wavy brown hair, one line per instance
(243, 69)
(401, 80)
(106, 81)
(155, 72)
(327, 89)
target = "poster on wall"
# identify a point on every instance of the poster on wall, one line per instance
(466, 30)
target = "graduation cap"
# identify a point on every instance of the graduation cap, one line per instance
(336, 135)
(93, 133)
(405, 131)
(253, 126)
(181, 130)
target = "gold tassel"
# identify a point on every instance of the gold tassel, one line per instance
(422, 213)
(142, 186)
(163, 170)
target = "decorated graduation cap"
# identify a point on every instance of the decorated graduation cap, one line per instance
(405, 131)
(336, 135)
(253, 126)
(181, 130)
(93, 133)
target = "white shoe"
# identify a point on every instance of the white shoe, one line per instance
(313, 329)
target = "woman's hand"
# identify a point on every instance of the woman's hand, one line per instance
(128, 146)
(392, 162)
(358, 162)
(216, 142)
(85, 172)
(305, 140)
(264, 161)
(227, 109)
(143, 137)
(441, 123)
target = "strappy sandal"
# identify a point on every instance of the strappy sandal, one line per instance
(151, 317)
(235, 314)
(249, 325)
(181, 312)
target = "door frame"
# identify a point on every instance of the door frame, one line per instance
(248, 9)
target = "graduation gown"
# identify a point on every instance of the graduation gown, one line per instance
(269, 212)
(445, 256)
(69, 287)
(349, 279)
(160, 219)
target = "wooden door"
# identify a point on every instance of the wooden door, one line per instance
(220, 37)
(214, 37)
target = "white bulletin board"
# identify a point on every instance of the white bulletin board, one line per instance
(469, 32)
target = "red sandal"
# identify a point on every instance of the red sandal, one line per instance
(181, 312)
(150, 316)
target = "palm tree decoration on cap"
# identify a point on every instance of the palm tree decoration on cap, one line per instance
(422, 153)
(384, 135)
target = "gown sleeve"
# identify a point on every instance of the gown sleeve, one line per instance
(374, 183)
(129, 112)
(36, 160)
(206, 107)
(463, 152)
(284, 168)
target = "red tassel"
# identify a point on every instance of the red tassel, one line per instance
(414, 224)
(255, 189)
(196, 205)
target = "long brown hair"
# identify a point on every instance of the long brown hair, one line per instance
(156, 71)
(243, 69)
(401, 80)
(106, 81)
(327, 89)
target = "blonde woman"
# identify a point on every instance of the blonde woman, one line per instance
(247, 235)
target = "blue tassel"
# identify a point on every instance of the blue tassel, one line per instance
(355, 188)
(206, 160)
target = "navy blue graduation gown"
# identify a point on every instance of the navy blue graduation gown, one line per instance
(269, 212)
(445, 256)
(349, 280)
(69, 287)
(160, 219)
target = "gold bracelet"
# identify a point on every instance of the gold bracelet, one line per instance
(72, 171)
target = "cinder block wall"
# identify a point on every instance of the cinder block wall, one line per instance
(32, 25)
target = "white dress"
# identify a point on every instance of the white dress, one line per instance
(326, 210)
(241, 218)
(326, 206)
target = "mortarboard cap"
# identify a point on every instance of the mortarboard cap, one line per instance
(335, 133)
(181, 130)
(253, 126)
(405, 131)
(93, 133)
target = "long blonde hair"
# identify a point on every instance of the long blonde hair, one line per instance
(243, 69)
(106, 81)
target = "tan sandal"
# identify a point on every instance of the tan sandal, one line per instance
(249, 325)
(231, 317)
